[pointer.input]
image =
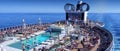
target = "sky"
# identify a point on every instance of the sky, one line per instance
(56, 6)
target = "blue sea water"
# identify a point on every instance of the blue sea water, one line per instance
(111, 21)
(14, 19)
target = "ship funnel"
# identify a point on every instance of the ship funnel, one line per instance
(78, 12)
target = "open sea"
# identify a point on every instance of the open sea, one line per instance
(111, 21)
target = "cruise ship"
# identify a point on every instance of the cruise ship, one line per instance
(76, 33)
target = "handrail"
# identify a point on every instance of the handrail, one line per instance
(109, 48)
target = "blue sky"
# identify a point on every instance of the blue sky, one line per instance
(56, 6)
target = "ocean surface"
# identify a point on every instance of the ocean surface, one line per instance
(14, 19)
(111, 21)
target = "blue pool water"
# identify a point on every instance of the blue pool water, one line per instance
(40, 38)
(111, 21)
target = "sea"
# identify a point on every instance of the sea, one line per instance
(111, 21)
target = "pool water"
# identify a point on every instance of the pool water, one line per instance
(30, 42)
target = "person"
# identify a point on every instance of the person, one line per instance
(23, 47)
(1, 48)
(43, 49)
(78, 49)
(34, 49)
(39, 49)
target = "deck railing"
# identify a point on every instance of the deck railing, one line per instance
(109, 48)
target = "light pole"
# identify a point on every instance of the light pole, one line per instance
(50, 31)
(66, 27)
(23, 27)
(39, 22)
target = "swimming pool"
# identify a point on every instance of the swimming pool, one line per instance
(30, 42)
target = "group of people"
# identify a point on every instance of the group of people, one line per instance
(90, 37)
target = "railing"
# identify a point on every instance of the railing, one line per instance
(109, 48)
(111, 44)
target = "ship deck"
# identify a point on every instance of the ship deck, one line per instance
(85, 39)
